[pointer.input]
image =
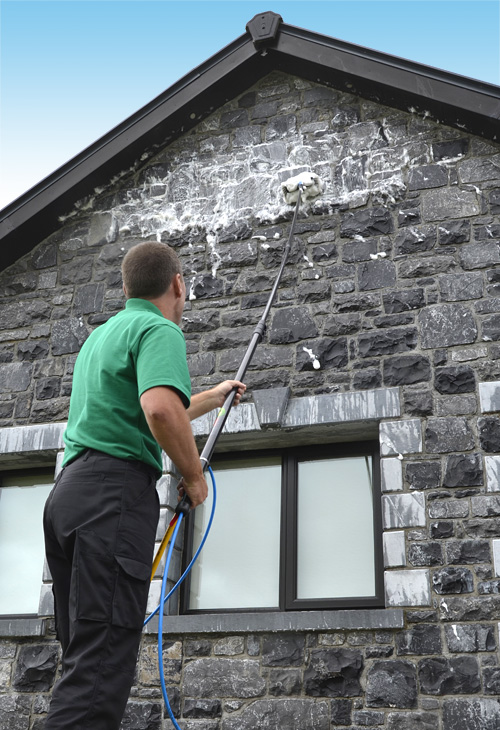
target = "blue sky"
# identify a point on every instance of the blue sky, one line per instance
(71, 70)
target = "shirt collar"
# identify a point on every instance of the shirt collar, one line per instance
(142, 305)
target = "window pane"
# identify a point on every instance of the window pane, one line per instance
(335, 553)
(21, 546)
(239, 565)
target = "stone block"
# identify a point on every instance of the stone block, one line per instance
(444, 203)
(36, 667)
(400, 437)
(491, 677)
(88, 299)
(14, 712)
(454, 232)
(68, 335)
(334, 673)
(489, 396)
(468, 552)
(201, 364)
(469, 638)
(285, 682)
(474, 256)
(406, 370)
(460, 287)
(471, 714)
(366, 223)
(418, 402)
(444, 435)
(330, 353)
(291, 325)
(490, 328)
(387, 342)
(421, 640)
(208, 677)
(489, 433)
(479, 169)
(463, 470)
(341, 407)
(403, 510)
(376, 275)
(441, 530)
(444, 325)
(427, 176)
(270, 405)
(496, 556)
(15, 377)
(201, 709)
(454, 379)
(453, 580)
(284, 713)
(147, 715)
(418, 267)
(394, 549)
(391, 475)
(458, 675)
(415, 239)
(485, 506)
(283, 650)
(425, 553)
(449, 509)
(368, 718)
(423, 474)
(403, 301)
(451, 150)
(392, 684)
(407, 587)
(341, 711)
(420, 720)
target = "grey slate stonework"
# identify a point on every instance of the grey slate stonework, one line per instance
(393, 284)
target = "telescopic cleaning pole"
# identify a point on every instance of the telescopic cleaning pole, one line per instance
(295, 187)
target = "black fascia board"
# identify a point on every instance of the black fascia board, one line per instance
(467, 104)
(35, 215)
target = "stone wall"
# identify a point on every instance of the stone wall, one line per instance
(393, 285)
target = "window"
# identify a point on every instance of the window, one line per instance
(296, 529)
(22, 498)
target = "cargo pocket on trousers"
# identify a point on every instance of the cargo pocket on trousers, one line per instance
(131, 594)
(95, 577)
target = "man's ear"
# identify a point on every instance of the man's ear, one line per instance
(177, 285)
(124, 291)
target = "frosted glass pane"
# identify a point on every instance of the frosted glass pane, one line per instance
(335, 529)
(21, 548)
(239, 565)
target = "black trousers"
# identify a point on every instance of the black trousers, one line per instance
(100, 523)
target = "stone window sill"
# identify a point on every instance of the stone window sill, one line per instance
(19, 627)
(276, 621)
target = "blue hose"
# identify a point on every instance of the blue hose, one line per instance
(164, 598)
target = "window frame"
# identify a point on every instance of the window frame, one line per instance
(287, 589)
(21, 472)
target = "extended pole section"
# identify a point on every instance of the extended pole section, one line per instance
(184, 505)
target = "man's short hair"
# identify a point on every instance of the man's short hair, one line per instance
(148, 269)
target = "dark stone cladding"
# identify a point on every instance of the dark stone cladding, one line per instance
(393, 282)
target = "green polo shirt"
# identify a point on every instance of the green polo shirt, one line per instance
(135, 350)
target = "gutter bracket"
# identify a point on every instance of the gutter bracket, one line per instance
(264, 28)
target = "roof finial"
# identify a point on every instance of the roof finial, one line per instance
(264, 28)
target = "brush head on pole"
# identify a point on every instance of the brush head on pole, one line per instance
(309, 182)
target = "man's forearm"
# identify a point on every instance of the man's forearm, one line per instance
(202, 403)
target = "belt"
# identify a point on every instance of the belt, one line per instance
(140, 465)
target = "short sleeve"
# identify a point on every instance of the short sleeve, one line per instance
(161, 360)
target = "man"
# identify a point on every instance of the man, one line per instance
(131, 398)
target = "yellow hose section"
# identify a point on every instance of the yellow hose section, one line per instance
(163, 545)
